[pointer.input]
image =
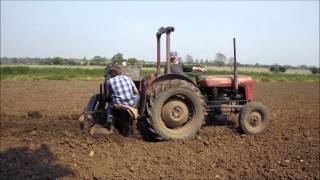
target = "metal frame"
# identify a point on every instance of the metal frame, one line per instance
(161, 31)
(211, 104)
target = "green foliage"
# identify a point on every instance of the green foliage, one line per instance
(117, 58)
(189, 59)
(57, 61)
(98, 60)
(277, 68)
(283, 69)
(132, 61)
(24, 72)
(66, 73)
(219, 60)
(315, 70)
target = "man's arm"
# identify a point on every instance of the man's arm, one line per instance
(134, 88)
(192, 68)
(135, 91)
(186, 68)
(195, 68)
(109, 89)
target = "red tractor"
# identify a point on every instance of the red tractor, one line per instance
(176, 107)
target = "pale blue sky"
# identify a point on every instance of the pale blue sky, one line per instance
(267, 32)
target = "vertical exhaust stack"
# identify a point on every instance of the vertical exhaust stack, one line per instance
(161, 31)
(235, 75)
(158, 54)
(168, 52)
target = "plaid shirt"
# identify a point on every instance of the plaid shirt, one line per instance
(121, 90)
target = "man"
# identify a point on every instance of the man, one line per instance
(121, 90)
(178, 68)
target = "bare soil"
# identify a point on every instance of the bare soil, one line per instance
(41, 139)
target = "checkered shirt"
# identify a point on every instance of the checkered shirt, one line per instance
(121, 89)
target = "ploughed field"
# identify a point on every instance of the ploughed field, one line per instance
(40, 138)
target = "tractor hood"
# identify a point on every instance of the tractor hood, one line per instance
(223, 81)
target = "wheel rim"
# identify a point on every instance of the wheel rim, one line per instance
(255, 119)
(174, 113)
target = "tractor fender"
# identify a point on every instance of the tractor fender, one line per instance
(148, 85)
(171, 77)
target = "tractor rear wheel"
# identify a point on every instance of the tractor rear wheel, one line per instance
(254, 118)
(176, 110)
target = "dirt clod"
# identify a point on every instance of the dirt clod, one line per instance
(35, 114)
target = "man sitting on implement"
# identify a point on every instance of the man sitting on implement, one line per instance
(122, 91)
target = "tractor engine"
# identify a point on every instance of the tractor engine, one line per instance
(219, 92)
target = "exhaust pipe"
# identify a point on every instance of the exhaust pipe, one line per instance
(168, 52)
(235, 75)
(158, 54)
(161, 31)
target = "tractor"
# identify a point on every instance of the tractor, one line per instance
(175, 107)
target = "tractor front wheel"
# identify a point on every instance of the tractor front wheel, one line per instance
(254, 118)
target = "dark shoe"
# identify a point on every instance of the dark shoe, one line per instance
(109, 123)
(126, 131)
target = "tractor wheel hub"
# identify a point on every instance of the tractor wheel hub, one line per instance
(255, 119)
(174, 113)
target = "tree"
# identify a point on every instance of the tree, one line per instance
(57, 61)
(189, 59)
(283, 69)
(277, 68)
(132, 61)
(303, 67)
(315, 70)
(98, 60)
(230, 61)
(220, 59)
(117, 58)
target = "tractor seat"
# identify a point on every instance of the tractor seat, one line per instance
(133, 112)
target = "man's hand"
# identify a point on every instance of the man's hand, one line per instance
(194, 68)
(135, 91)
(86, 120)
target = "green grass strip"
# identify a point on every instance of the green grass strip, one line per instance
(54, 73)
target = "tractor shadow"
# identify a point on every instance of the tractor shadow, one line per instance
(143, 131)
(24, 163)
(223, 120)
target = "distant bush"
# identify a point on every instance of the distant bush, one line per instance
(315, 70)
(283, 69)
(277, 68)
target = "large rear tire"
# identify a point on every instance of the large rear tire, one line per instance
(176, 110)
(254, 118)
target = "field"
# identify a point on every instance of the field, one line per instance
(51, 72)
(40, 138)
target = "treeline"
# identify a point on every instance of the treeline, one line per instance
(219, 60)
(96, 60)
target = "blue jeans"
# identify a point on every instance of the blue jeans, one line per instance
(94, 99)
(92, 103)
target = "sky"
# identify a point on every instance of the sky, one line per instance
(267, 32)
